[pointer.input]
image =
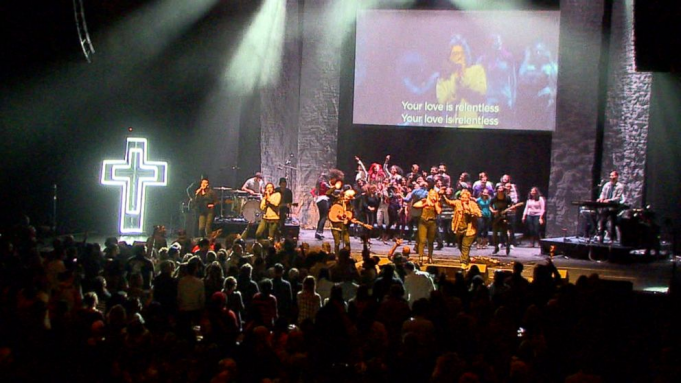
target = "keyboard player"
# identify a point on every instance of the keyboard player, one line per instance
(612, 193)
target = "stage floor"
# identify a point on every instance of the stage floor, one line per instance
(645, 274)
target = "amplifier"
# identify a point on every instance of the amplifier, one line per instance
(291, 229)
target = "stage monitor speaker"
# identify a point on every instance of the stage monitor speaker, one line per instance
(189, 220)
(292, 229)
(232, 226)
(657, 35)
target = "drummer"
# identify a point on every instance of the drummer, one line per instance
(270, 207)
(255, 185)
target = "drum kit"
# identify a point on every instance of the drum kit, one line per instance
(235, 203)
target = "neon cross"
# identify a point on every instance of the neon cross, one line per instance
(134, 174)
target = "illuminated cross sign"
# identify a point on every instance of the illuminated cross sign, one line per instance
(133, 175)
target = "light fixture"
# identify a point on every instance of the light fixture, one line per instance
(134, 174)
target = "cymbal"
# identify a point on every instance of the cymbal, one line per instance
(224, 188)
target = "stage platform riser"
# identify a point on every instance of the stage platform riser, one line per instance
(580, 248)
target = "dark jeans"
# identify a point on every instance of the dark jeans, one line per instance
(411, 224)
(484, 226)
(444, 230)
(605, 216)
(500, 227)
(532, 224)
(340, 234)
(402, 223)
(370, 219)
(205, 223)
(393, 218)
(323, 207)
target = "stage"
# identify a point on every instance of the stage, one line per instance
(644, 273)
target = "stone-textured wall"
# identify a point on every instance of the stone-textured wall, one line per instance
(280, 108)
(300, 114)
(628, 108)
(573, 142)
(319, 100)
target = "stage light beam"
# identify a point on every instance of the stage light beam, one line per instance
(258, 59)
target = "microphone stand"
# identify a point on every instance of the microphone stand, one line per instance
(54, 209)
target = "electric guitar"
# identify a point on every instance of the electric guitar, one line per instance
(502, 215)
(338, 214)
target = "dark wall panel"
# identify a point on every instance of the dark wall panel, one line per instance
(574, 141)
(663, 169)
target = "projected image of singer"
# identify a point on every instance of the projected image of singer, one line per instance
(205, 201)
(462, 85)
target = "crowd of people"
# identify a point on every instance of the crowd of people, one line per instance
(423, 206)
(223, 310)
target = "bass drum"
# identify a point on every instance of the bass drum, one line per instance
(251, 211)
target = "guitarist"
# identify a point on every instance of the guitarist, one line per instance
(512, 192)
(500, 205)
(340, 223)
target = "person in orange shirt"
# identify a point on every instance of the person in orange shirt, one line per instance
(466, 214)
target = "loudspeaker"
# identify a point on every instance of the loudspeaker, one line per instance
(291, 229)
(190, 221)
(657, 35)
(233, 226)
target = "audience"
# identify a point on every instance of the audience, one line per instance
(79, 313)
